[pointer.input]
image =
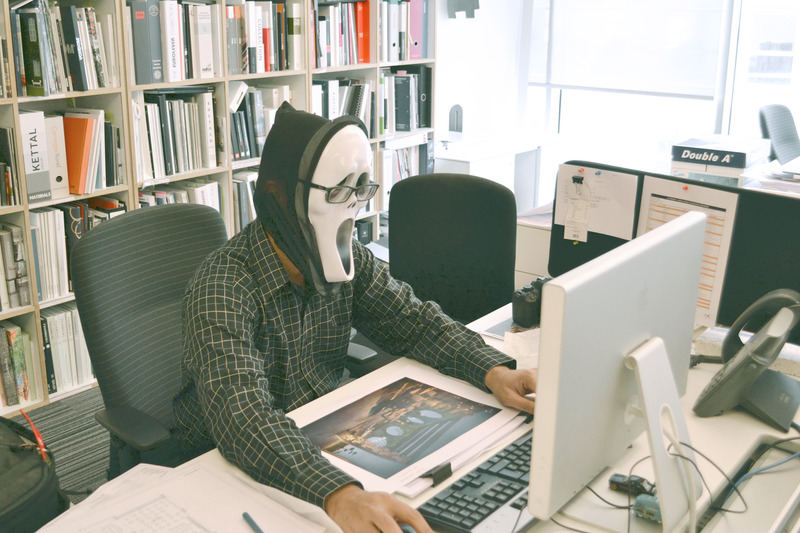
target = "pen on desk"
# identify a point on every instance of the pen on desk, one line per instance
(251, 522)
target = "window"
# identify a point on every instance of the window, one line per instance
(620, 81)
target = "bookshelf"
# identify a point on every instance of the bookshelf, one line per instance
(126, 121)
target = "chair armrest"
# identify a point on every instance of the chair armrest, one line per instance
(134, 427)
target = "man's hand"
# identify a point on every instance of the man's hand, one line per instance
(511, 386)
(358, 511)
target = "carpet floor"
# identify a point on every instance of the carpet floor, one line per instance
(78, 443)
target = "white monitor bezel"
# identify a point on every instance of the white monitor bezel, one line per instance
(611, 305)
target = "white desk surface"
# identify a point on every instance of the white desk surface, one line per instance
(728, 440)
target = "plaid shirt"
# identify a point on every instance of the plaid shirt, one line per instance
(257, 346)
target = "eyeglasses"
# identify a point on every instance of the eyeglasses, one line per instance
(339, 194)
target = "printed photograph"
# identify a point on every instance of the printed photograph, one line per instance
(396, 426)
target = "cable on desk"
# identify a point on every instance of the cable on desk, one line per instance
(696, 359)
(553, 520)
(721, 471)
(748, 475)
(610, 504)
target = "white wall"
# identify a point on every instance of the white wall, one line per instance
(477, 65)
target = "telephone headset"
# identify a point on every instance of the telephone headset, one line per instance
(745, 378)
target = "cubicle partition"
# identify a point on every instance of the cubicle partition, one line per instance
(751, 231)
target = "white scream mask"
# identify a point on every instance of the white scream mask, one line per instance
(346, 160)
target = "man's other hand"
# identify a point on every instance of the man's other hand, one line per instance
(358, 511)
(512, 387)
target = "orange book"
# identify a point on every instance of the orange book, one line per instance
(103, 202)
(362, 31)
(78, 142)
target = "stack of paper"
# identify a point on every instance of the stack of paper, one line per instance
(207, 494)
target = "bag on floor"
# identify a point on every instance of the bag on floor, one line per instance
(30, 495)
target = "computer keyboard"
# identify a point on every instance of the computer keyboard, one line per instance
(492, 498)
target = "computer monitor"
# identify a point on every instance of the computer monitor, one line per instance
(615, 341)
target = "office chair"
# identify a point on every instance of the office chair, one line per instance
(129, 275)
(778, 126)
(452, 237)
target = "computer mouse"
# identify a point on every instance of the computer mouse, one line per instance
(405, 528)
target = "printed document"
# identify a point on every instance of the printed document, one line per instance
(664, 200)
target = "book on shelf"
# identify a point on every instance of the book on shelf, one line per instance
(5, 297)
(202, 40)
(20, 263)
(417, 28)
(9, 281)
(9, 186)
(8, 382)
(260, 128)
(216, 40)
(58, 48)
(34, 155)
(34, 368)
(362, 31)
(279, 36)
(61, 376)
(155, 146)
(111, 50)
(233, 24)
(294, 37)
(201, 191)
(12, 334)
(165, 124)
(250, 125)
(274, 95)
(50, 375)
(267, 35)
(78, 139)
(97, 47)
(33, 52)
(393, 29)
(330, 97)
(35, 238)
(73, 228)
(253, 18)
(171, 45)
(423, 95)
(341, 34)
(73, 44)
(85, 371)
(70, 365)
(244, 182)
(51, 253)
(55, 43)
(57, 156)
(146, 33)
(96, 177)
(402, 102)
(402, 31)
(83, 34)
(722, 151)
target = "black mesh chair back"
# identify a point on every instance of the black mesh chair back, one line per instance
(778, 126)
(129, 275)
(452, 237)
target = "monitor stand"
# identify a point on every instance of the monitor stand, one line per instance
(676, 478)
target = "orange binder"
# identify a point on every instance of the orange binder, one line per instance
(362, 31)
(78, 142)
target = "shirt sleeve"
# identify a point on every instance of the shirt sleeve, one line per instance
(388, 313)
(238, 410)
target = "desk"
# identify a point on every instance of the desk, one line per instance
(728, 439)
(513, 163)
(532, 246)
